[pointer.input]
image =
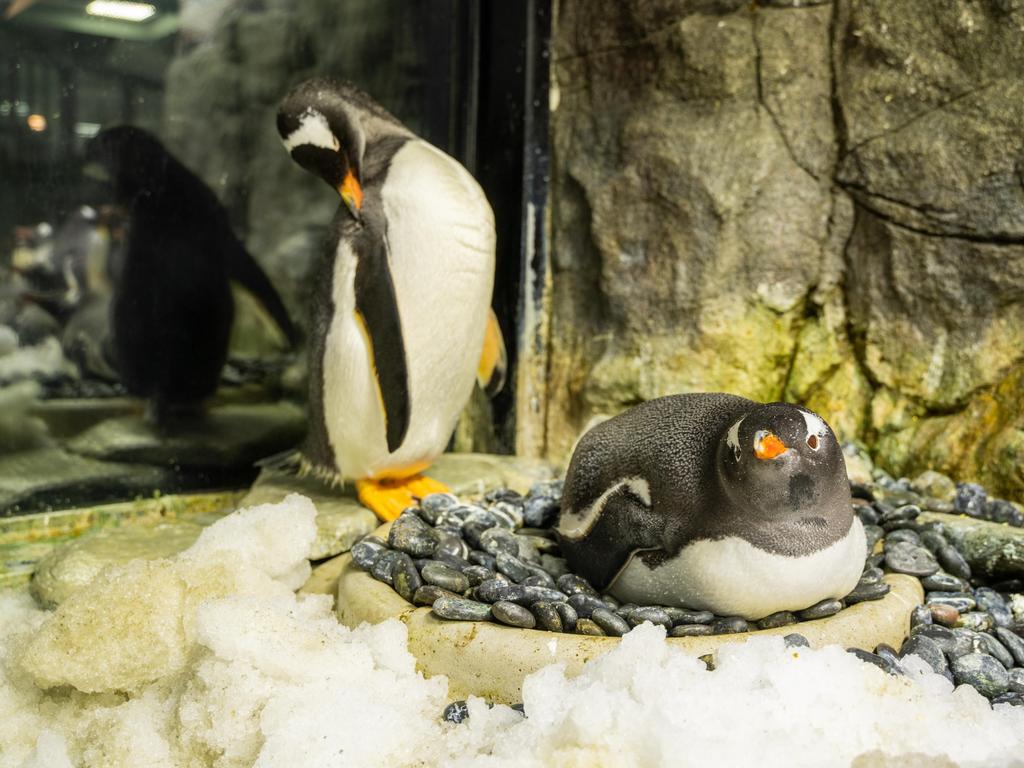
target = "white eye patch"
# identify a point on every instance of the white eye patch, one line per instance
(313, 129)
(732, 438)
(816, 429)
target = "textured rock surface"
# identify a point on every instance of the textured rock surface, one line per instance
(812, 201)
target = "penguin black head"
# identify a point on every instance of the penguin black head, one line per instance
(320, 126)
(781, 458)
(130, 159)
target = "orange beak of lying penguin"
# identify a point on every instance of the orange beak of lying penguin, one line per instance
(768, 446)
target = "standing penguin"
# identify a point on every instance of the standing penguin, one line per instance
(172, 307)
(401, 315)
(713, 501)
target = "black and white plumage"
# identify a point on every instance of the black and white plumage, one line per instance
(715, 502)
(172, 308)
(403, 287)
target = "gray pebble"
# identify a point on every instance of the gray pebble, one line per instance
(511, 566)
(365, 554)
(1016, 678)
(555, 566)
(611, 602)
(588, 627)
(572, 584)
(1014, 644)
(411, 535)
(796, 640)
(531, 595)
(476, 557)
(652, 614)
(920, 615)
(1011, 698)
(495, 540)
(456, 712)
(888, 653)
(953, 562)
(979, 621)
(902, 514)
(690, 630)
(538, 544)
(866, 592)
(871, 658)
(436, 503)
(536, 572)
(537, 581)
(460, 609)
(993, 603)
(428, 593)
(477, 574)
(927, 649)
(944, 582)
(910, 559)
(683, 616)
(492, 590)
(779, 619)
(513, 615)
(875, 561)
(729, 625)
(871, 576)
(568, 616)
(447, 578)
(452, 546)
(962, 601)
(585, 605)
(874, 535)
(986, 643)
(867, 515)
(547, 616)
(982, 672)
(820, 610)
(902, 535)
(933, 541)
(405, 578)
(610, 622)
(382, 566)
(540, 510)
(472, 531)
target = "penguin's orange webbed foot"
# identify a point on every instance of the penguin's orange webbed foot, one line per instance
(388, 498)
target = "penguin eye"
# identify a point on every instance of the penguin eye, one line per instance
(812, 442)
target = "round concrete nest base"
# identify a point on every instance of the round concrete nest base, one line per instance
(490, 660)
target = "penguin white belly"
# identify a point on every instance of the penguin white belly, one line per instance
(732, 577)
(440, 232)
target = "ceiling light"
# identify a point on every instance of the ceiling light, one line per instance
(121, 10)
(36, 123)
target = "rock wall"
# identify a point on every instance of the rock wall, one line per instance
(813, 201)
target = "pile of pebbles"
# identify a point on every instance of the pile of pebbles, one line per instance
(499, 561)
(966, 630)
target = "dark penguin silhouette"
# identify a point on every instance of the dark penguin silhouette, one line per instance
(713, 501)
(172, 309)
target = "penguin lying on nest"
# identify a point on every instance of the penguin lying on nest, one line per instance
(714, 502)
(172, 308)
(401, 317)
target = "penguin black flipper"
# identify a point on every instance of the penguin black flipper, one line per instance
(244, 269)
(625, 525)
(377, 311)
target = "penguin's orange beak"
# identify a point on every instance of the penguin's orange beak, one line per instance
(769, 446)
(351, 193)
